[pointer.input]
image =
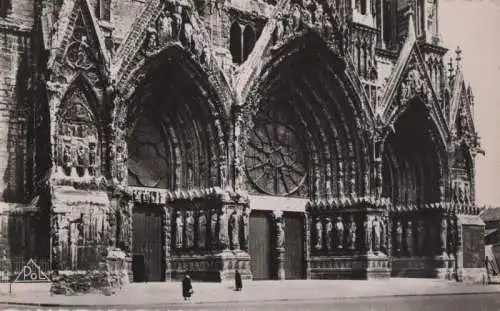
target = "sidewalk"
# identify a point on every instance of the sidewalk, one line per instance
(156, 294)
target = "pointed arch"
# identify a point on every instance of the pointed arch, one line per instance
(236, 43)
(248, 41)
(183, 121)
(415, 159)
(79, 134)
(305, 77)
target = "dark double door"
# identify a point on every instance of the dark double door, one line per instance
(260, 245)
(294, 246)
(148, 257)
(263, 258)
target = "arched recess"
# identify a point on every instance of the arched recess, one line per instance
(79, 136)
(248, 41)
(236, 44)
(415, 159)
(462, 188)
(303, 95)
(177, 132)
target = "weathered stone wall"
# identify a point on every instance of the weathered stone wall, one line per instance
(15, 69)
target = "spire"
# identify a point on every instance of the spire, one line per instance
(458, 51)
(450, 69)
(411, 25)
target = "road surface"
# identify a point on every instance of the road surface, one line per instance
(474, 302)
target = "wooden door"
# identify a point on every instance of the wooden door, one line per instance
(260, 245)
(148, 261)
(294, 246)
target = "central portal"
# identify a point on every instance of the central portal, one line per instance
(266, 259)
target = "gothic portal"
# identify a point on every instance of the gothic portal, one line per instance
(285, 139)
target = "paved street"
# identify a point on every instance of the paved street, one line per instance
(476, 302)
(393, 294)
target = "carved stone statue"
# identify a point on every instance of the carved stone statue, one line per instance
(244, 230)
(409, 238)
(82, 156)
(399, 237)
(319, 234)
(164, 28)
(339, 233)
(461, 196)
(189, 230)
(75, 232)
(177, 21)
(188, 36)
(202, 230)
(444, 232)
(367, 226)
(214, 236)
(233, 230)
(405, 91)
(152, 41)
(328, 30)
(179, 228)
(383, 234)
(280, 28)
(351, 235)
(223, 230)
(92, 154)
(376, 234)
(67, 157)
(318, 15)
(306, 17)
(290, 24)
(296, 18)
(420, 236)
(467, 196)
(329, 233)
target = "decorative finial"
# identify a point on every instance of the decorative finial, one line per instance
(450, 66)
(458, 51)
(411, 24)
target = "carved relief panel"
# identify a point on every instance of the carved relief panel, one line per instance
(78, 149)
(177, 23)
(461, 188)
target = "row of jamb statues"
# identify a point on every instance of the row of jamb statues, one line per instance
(340, 236)
(212, 229)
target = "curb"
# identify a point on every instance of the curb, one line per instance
(233, 302)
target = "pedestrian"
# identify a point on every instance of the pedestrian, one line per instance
(187, 288)
(237, 280)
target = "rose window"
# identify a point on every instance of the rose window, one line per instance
(274, 160)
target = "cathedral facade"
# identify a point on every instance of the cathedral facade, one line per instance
(285, 139)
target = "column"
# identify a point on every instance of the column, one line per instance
(443, 235)
(367, 226)
(167, 229)
(279, 243)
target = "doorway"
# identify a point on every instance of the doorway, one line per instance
(148, 258)
(260, 235)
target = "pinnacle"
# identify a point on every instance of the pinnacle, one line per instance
(411, 25)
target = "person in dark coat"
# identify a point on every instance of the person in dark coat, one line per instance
(237, 280)
(187, 288)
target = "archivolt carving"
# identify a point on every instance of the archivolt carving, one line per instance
(331, 21)
(328, 138)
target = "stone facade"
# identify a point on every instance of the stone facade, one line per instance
(190, 108)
